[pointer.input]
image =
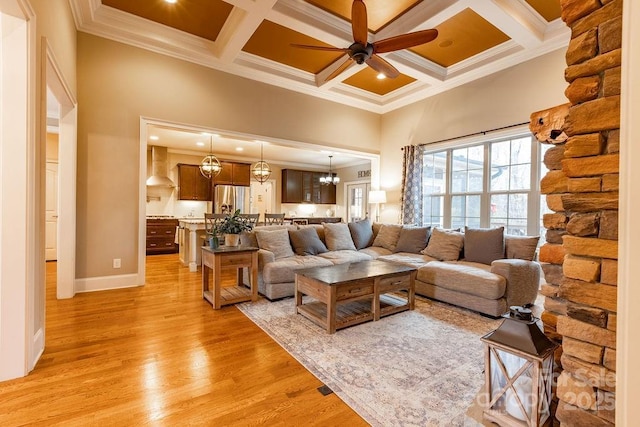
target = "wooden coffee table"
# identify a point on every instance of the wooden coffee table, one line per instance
(349, 294)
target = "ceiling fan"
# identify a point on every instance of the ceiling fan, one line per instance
(361, 51)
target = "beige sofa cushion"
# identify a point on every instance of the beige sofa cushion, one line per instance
(466, 277)
(520, 247)
(375, 251)
(412, 239)
(344, 256)
(276, 241)
(338, 236)
(388, 236)
(444, 245)
(284, 270)
(306, 242)
(483, 245)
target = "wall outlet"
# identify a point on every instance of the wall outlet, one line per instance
(116, 263)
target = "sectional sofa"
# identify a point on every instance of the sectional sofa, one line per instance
(480, 269)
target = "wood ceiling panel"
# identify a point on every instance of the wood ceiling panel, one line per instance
(379, 12)
(460, 37)
(366, 79)
(548, 9)
(273, 41)
(203, 18)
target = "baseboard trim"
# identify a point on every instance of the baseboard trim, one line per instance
(105, 283)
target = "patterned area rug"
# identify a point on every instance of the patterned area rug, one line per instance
(416, 368)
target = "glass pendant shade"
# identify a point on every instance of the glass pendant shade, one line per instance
(261, 171)
(210, 166)
(330, 178)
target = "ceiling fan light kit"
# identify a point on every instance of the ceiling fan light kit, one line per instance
(330, 178)
(361, 51)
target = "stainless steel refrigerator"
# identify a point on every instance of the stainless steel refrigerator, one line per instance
(228, 198)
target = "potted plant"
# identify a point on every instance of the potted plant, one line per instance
(232, 226)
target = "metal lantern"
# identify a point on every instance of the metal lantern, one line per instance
(519, 366)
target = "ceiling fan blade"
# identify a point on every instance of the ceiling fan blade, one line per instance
(382, 66)
(345, 64)
(326, 48)
(404, 41)
(359, 24)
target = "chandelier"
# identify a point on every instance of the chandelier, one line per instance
(261, 171)
(210, 166)
(330, 178)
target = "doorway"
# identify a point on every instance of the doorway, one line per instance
(262, 198)
(358, 201)
(60, 97)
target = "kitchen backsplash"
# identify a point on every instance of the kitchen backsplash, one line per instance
(163, 202)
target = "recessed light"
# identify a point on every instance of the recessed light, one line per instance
(381, 76)
(171, 1)
(445, 43)
(200, 144)
(239, 149)
(154, 137)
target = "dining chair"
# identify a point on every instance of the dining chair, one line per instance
(273, 219)
(252, 218)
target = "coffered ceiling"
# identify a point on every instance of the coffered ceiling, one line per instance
(252, 38)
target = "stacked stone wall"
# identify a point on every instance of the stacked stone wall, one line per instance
(580, 256)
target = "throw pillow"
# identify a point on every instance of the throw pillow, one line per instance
(412, 239)
(444, 245)
(276, 241)
(521, 247)
(361, 233)
(388, 236)
(338, 237)
(483, 245)
(306, 242)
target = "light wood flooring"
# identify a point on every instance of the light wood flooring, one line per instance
(160, 355)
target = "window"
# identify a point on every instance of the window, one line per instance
(484, 184)
(434, 187)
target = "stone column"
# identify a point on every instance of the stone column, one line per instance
(581, 253)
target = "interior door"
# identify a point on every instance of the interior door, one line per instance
(51, 212)
(357, 201)
(262, 198)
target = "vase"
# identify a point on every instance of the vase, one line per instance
(231, 239)
(214, 242)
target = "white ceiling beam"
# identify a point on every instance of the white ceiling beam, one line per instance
(303, 18)
(239, 28)
(423, 16)
(521, 23)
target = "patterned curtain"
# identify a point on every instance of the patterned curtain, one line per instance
(412, 185)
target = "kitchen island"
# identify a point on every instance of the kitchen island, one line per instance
(191, 234)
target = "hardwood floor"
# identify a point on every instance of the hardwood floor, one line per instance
(159, 355)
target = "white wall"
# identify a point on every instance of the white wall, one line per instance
(502, 99)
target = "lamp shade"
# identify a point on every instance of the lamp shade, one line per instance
(377, 196)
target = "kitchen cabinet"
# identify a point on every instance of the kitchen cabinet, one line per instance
(161, 236)
(233, 174)
(304, 187)
(192, 185)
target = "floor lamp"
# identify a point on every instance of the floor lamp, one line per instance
(377, 197)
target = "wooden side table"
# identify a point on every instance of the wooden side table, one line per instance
(226, 257)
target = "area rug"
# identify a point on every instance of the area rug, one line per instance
(416, 368)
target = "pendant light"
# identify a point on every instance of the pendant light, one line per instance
(261, 171)
(210, 165)
(330, 178)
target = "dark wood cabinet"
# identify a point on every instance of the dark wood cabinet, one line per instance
(233, 174)
(161, 235)
(192, 185)
(304, 187)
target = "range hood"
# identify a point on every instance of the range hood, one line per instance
(159, 176)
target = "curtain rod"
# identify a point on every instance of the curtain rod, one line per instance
(484, 132)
